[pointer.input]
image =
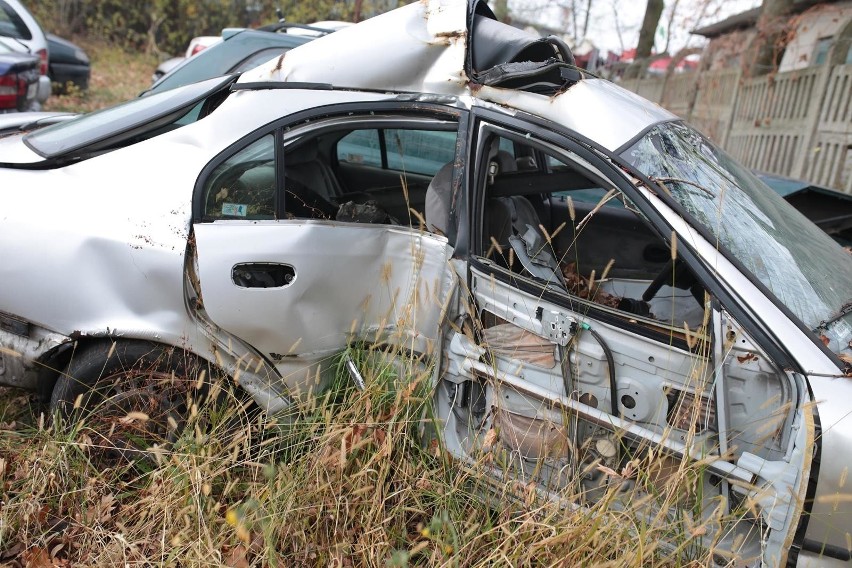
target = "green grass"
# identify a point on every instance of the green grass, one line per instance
(117, 76)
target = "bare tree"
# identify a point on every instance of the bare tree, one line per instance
(670, 24)
(586, 18)
(653, 13)
(617, 25)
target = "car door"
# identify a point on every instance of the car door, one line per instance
(598, 363)
(289, 264)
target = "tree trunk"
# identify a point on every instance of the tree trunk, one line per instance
(767, 47)
(653, 12)
(670, 25)
(586, 19)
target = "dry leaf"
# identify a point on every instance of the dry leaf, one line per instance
(236, 557)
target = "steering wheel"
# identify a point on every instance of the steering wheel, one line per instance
(678, 274)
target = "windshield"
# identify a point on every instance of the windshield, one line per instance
(802, 266)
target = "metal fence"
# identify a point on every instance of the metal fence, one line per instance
(797, 124)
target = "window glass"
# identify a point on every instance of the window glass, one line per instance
(360, 147)
(419, 151)
(11, 24)
(800, 264)
(243, 187)
(821, 51)
(507, 145)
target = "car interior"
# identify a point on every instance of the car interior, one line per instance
(542, 216)
(373, 175)
(545, 217)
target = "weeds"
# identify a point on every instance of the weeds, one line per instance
(344, 480)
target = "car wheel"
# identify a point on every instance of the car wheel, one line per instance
(127, 397)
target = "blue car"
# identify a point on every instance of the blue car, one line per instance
(19, 75)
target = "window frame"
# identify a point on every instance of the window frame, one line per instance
(293, 127)
(614, 168)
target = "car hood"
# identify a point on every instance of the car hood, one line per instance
(425, 47)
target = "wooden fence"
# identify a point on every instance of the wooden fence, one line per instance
(796, 124)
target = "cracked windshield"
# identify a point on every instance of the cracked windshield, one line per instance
(786, 253)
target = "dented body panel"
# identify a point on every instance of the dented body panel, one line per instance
(429, 42)
(219, 230)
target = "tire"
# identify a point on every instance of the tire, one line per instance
(127, 396)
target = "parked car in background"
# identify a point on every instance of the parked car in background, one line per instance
(67, 65)
(19, 78)
(250, 48)
(828, 209)
(405, 186)
(18, 122)
(19, 25)
(196, 45)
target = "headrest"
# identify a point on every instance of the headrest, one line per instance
(304, 153)
(439, 197)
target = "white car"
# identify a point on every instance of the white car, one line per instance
(19, 25)
(408, 182)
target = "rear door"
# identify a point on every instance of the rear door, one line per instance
(291, 265)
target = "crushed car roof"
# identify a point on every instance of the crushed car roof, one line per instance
(452, 47)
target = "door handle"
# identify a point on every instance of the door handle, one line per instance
(263, 275)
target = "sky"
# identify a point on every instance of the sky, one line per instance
(609, 17)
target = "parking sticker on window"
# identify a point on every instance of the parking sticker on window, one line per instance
(234, 209)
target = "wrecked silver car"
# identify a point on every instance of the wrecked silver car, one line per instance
(419, 191)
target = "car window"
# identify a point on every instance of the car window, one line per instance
(11, 24)
(409, 150)
(336, 172)
(243, 186)
(774, 242)
(360, 147)
(568, 227)
(419, 151)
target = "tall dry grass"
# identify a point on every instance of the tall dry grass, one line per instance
(348, 478)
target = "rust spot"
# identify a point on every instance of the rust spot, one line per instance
(825, 340)
(747, 358)
(451, 35)
(280, 63)
(847, 362)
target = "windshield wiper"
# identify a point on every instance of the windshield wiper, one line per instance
(844, 310)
